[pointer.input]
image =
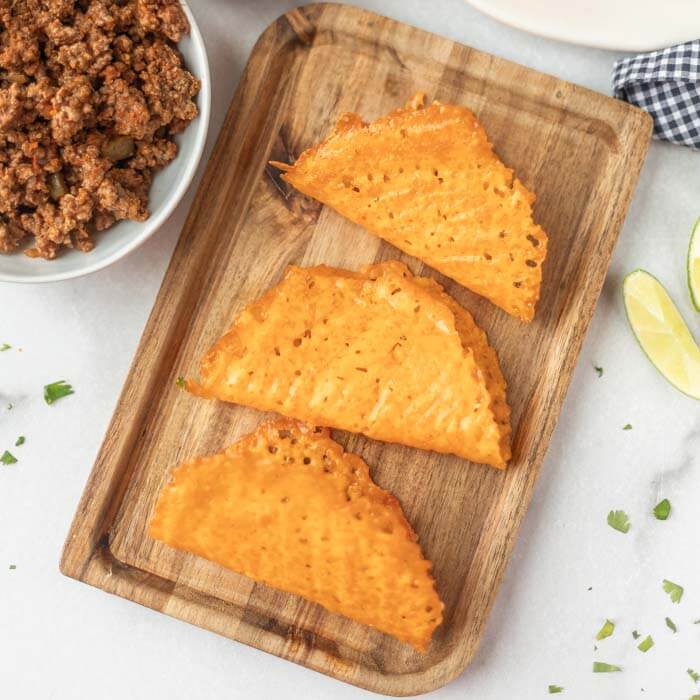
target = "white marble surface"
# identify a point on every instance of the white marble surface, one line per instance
(61, 639)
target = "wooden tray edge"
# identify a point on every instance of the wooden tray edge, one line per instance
(105, 572)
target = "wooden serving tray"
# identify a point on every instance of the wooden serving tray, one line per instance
(580, 151)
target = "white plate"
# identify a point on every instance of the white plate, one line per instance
(169, 185)
(620, 25)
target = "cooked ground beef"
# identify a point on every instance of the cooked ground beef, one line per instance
(92, 93)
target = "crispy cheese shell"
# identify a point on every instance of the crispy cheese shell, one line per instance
(377, 352)
(288, 507)
(426, 180)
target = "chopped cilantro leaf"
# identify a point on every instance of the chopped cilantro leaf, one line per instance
(4, 346)
(606, 630)
(671, 625)
(662, 510)
(8, 458)
(627, 426)
(555, 689)
(57, 390)
(13, 567)
(618, 520)
(635, 634)
(599, 370)
(602, 667)
(20, 441)
(180, 381)
(694, 675)
(646, 644)
(674, 590)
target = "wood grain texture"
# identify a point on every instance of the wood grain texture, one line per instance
(580, 151)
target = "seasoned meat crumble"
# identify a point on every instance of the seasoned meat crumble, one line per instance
(92, 93)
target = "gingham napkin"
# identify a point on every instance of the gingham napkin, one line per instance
(666, 84)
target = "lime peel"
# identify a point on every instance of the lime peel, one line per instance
(693, 265)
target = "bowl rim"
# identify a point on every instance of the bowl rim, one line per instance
(583, 37)
(158, 218)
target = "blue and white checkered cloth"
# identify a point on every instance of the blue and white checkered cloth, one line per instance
(666, 84)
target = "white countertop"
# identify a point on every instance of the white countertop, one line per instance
(62, 639)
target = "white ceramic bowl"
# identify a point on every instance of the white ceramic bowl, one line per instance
(620, 25)
(169, 185)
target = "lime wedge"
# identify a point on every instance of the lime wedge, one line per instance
(694, 266)
(661, 331)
